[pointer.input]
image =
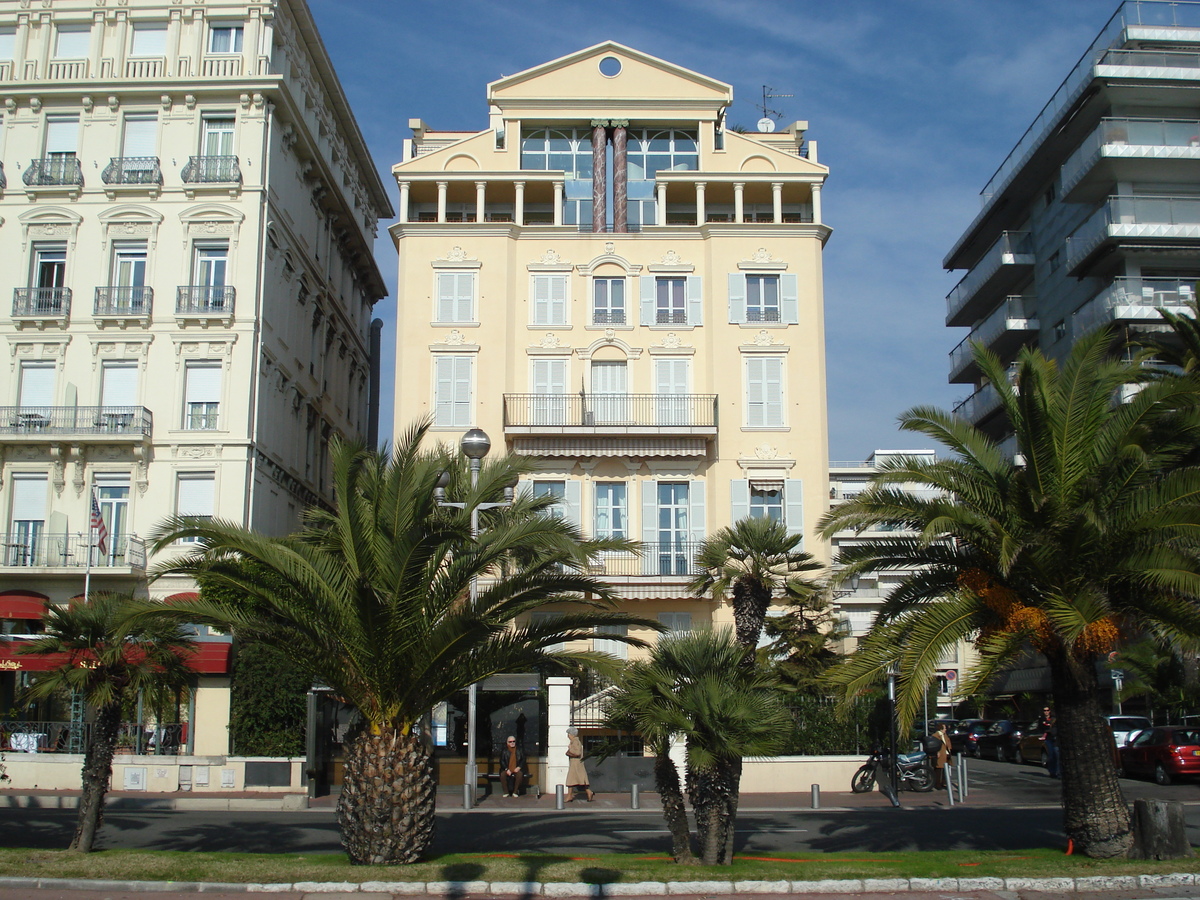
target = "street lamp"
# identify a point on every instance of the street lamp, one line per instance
(893, 673)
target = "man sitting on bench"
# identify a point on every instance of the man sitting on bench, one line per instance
(513, 769)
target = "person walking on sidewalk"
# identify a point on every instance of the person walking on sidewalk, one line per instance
(944, 752)
(513, 767)
(577, 776)
(1048, 723)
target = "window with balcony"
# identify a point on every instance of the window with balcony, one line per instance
(548, 383)
(27, 520)
(119, 383)
(216, 163)
(669, 301)
(138, 162)
(610, 392)
(202, 395)
(549, 300)
(35, 395)
(611, 510)
(209, 294)
(452, 391)
(455, 297)
(608, 301)
(755, 298)
(195, 497)
(47, 294)
(762, 298)
(112, 496)
(672, 524)
(225, 38)
(672, 401)
(672, 300)
(126, 294)
(59, 164)
(764, 391)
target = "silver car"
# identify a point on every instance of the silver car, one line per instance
(1125, 727)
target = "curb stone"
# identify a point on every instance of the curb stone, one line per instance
(830, 886)
(325, 887)
(699, 887)
(762, 887)
(879, 885)
(1062, 885)
(981, 884)
(1166, 880)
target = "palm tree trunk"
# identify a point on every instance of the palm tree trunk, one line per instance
(386, 809)
(712, 793)
(750, 604)
(666, 779)
(1095, 815)
(97, 772)
(735, 778)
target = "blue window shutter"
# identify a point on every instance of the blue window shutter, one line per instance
(793, 510)
(695, 300)
(648, 287)
(789, 299)
(696, 512)
(573, 502)
(739, 500)
(650, 527)
(737, 298)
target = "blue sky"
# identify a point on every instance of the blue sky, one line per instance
(913, 105)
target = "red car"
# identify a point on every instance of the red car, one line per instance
(1164, 753)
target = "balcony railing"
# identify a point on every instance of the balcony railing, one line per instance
(3, 178)
(55, 170)
(212, 170)
(104, 421)
(65, 737)
(670, 317)
(124, 301)
(1013, 315)
(42, 302)
(1134, 299)
(557, 412)
(608, 317)
(1149, 139)
(70, 551)
(979, 405)
(132, 170)
(663, 558)
(1135, 216)
(1012, 249)
(204, 300)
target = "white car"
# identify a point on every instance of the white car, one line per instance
(1125, 727)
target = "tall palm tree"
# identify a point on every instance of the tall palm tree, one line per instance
(753, 560)
(375, 597)
(112, 647)
(695, 685)
(1086, 538)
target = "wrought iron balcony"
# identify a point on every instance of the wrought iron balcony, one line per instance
(105, 422)
(670, 317)
(664, 558)
(212, 170)
(124, 301)
(608, 317)
(55, 170)
(204, 300)
(132, 170)
(610, 413)
(42, 302)
(38, 549)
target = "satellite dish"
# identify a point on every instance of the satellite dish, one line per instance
(766, 124)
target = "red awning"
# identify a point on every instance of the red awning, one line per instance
(182, 597)
(22, 605)
(210, 658)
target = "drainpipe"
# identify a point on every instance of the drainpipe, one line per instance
(373, 400)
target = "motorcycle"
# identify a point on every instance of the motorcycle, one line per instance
(913, 770)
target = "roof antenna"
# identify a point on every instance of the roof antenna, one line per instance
(767, 123)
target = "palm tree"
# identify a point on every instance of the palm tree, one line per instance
(375, 598)
(695, 685)
(1084, 539)
(753, 560)
(112, 647)
(1179, 347)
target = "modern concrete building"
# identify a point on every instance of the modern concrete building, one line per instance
(187, 210)
(606, 277)
(1093, 218)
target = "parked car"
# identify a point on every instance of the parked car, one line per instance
(1125, 727)
(1000, 740)
(964, 737)
(1163, 753)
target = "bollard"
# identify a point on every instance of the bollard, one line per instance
(962, 778)
(467, 798)
(558, 797)
(948, 773)
(634, 801)
(816, 796)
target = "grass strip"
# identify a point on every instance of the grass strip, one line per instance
(141, 865)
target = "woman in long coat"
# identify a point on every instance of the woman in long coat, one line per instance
(577, 776)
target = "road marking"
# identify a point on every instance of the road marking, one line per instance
(736, 831)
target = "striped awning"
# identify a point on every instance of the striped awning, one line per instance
(27, 605)
(597, 445)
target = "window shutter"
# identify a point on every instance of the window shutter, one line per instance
(37, 385)
(8, 42)
(195, 496)
(696, 512)
(73, 43)
(119, 384)
(737, 298)
(648, 288)
(557, 289)
(773, 389)
(755, 391)
(149, 40)
(203, 384)
(650, 512)
(695, 300)
(541, 300)
(789, 299)
(141, 137)
(793, 509)
(62, 135)
(573, 502)
(29, 498)
(605, 645)
(739, 499)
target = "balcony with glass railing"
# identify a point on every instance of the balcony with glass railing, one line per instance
(123, 302)
(49, 303)
(651, 414)
(38, 549)
(104, 423)
(1013, 323)
(1143, 150)
(1134, 300)
(1141, 217)
(998, 270)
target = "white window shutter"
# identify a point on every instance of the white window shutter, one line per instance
(773, 388)
(196, 496)
(557, 287)
(648, 288)
(793, 499)
(149, 40)
(650, 513)
(119, 384)
(141, 138)
(540, 289)
(739, 499)
(62, 135)
(789, 299)
(696, 512)
(29, 498)
(573, 502)
(37, 385)
(755, 392)
(446, 297)
(203, 384)
(695, 300)
(737, 298)
(73, 42)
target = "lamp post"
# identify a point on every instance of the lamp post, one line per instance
(893, 673)
(474, 445)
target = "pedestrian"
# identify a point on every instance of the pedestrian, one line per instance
(944, 752)
(577, 776)
(1048, 724)
(513, 768)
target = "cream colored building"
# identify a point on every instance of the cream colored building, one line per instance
(609, 279)
(186, 218)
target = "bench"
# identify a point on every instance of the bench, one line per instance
(530, 785)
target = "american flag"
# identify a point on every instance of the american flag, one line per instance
(98, 526)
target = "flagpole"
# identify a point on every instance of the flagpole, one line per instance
(87, 573)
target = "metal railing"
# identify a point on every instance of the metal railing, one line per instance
(1135, 216)
(212, 170)
(57, 737)
(55, 170)
(1012, 315)
(762, 314)
(132, 170)
(608, 317)
(136, 421)
(669, 558)
(1012, 248)
(49, 302)
(1133, 138)
(670, 317)
(31, 550)
(594, 410)
(204, 300)
(1134, 298)
(123, 300)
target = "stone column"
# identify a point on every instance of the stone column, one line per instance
(174, 32)
(558, 202)
(97, 47)
(660, 212)
(599, 182)
(124, 38)
(20, 47)
(402, 211)
(519, 202)
(816, 203)
(777, 201)
(620, 178)
(558, 720)
(739, 204)
(480, 200)
(441, 207)
(701, 215)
